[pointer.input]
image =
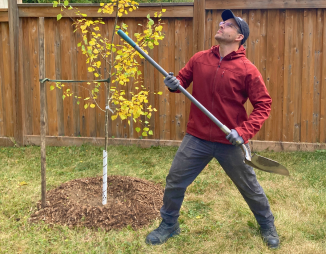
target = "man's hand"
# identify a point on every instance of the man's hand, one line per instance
(234, 138)
(171, 82)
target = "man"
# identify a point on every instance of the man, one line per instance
(223, 79)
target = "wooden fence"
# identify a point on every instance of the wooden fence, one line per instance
(287, 43)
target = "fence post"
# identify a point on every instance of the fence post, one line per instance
(14, 72)
(199, 25)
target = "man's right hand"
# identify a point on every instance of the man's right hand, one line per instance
(171, 82)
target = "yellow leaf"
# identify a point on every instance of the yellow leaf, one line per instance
(85, 106)
(159, 28)
(59, 16)
(114, 117)
(101, 4)
(144, 134)
(92, 105)
(22, 183)
(163, 10)
(98, 64)
(160, 93)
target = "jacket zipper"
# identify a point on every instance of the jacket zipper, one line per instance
(210, 131)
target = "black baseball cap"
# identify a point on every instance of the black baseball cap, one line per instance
(244, 28)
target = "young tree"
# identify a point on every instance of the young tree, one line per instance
(123, 66)
(123, 62)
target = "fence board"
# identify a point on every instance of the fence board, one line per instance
(117, 124)
(149, 83)
(27, 78)
(166, 59)
(3, 101)
(91, 112)
(318, 39)
(100, 115)
(308, 74)
(137, 28)
(277, 129)
(188, 55)
(208, 29)
(66, 63)
(216, 16)
(271, 71)
(75, 89)
(35, 87)
(17, 96)
(59, 93)
(322, 120)
(155, 100)
(298, 62)
(199, 25)
(49, 45)
(180, 62)
(253, 49)
(288, 103)
(263, 59)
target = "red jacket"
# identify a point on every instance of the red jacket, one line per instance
(223, 87)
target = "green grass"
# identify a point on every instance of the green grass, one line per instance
(214, 217)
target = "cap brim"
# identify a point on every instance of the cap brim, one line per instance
(228, 14)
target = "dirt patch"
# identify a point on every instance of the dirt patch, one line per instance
(131, 201)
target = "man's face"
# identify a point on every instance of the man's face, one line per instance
(228, 32)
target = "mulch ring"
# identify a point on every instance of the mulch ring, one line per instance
(130, 201)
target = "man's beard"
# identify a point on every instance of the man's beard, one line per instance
(223, 40)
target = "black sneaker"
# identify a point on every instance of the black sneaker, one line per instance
(270, 237)
(162, 233)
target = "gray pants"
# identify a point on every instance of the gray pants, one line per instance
(191, 158)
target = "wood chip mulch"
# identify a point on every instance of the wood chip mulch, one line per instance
(131, 201)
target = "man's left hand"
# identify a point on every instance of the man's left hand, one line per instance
(235, 138)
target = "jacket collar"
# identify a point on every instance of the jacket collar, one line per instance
(234, 54)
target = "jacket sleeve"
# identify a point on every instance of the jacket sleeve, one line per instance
(261, 102)
(185, 75)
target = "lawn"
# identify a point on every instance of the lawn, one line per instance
(214, 218)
